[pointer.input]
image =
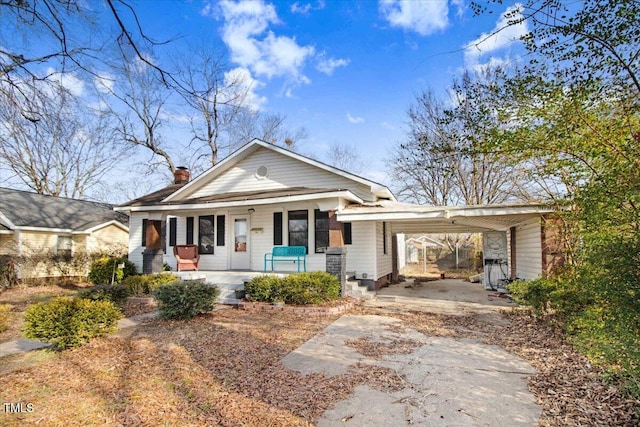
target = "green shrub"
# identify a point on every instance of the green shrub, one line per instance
(69, 322)
(116, 294)
(141, 285)
(310, 288)
(105, 268)
(5, 315)
(186, 299)
(300, 289)
(264, 288)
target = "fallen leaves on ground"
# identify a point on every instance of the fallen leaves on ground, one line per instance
(224, 369)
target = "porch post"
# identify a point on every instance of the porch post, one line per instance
(336, 259)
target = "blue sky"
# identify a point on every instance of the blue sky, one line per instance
(347, 71)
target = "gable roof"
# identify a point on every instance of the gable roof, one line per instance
(23, 209)
(249, 148)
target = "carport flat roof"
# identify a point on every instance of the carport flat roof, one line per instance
(409, 218)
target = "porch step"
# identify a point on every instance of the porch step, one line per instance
(354, 289)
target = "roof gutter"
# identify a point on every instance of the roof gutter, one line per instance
(239, 203)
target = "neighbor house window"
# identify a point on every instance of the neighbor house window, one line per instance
(173, 231)
(64, 246)
(322, 230)
(348, 239)
(189, 230)
(206, 237)
(299, 229)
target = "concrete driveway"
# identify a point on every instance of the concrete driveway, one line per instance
(449, 382)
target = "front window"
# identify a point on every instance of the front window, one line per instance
(64, 246)
(206, 238)
(322, 231)
(299, 228)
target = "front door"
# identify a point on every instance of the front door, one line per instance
(240, 254)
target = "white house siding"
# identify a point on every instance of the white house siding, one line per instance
(261, 236)
(362, 252)
(528, 250)
(8, 244)
(135, 239)
(383, 261)
(107, 239)
(283, 172)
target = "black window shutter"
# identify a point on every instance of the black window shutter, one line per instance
(189, 230)
(277, 228)
(220, 220)
(347, 233)
(173, 230)
(144, 232)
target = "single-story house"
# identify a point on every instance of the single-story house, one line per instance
(44, 233)
(264, 196)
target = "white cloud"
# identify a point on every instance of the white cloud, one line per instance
(74, 85)
(243, 88)
(304, 9)
(423, 17)
(254, 47)
(354, 120)
(501, 37)
(328, 65)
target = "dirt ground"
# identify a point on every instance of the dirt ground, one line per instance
(226, 369)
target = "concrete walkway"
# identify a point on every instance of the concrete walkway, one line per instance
(24, 345)
(448, 381)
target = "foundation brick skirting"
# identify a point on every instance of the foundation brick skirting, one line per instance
(300, 310)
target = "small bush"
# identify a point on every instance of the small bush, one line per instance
(301, 288)
(141, 285)
(105, 268)
(311, 288)
(263, 288)
(116, 294)
(67, 322)
(186, 299)
(5, 315)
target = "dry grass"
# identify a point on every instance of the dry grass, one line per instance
(225, 369)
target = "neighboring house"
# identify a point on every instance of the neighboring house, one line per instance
(415, 244)
(263, 196)
(46, 233)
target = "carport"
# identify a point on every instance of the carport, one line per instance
(518, 236)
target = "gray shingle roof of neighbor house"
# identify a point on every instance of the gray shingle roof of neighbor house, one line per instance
(26, 209)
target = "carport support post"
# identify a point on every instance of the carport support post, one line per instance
(336, 259)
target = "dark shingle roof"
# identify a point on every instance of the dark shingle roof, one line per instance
(25, 209)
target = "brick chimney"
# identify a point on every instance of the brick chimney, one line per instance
(181, 175)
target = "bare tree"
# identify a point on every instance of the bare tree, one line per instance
(66, 152)
(218, 97)
(439, 164)
(141, 110)
(268, 127)
(63, 35)
(345, 157)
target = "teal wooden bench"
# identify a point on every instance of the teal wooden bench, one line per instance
(297, 254)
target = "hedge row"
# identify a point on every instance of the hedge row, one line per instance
(300, 289)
